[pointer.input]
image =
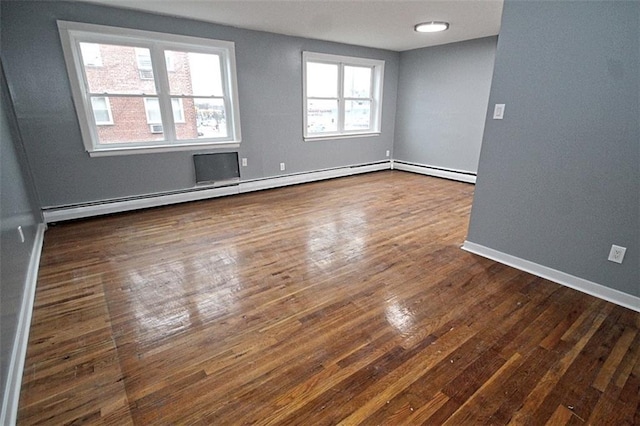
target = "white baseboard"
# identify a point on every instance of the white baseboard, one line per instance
(9, 413)
(117, 206)
(58, 214)
(294, 179)
(598, 290)
(423, 169)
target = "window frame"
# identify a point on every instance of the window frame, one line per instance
(377, 79)
(73, 33)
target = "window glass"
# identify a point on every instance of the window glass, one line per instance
(152, 106)
(210, 118)
(145, 69)
(132, 119)
(357, 115)
(322, 115)
(91, 54)
(322, 80)
(119, 73)
(357, 82)
(194, 73)
(101, 110)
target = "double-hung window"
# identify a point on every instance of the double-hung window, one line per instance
(140, 91)
(101, 110)
(342, 96)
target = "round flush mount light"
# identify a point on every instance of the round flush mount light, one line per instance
(431, 27)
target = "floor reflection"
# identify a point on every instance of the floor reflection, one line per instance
(171, 297)
(400, 318)
(341, 239)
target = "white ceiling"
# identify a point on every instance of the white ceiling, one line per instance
(385, 24)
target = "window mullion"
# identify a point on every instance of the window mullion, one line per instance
(341, 102)
(161, 76)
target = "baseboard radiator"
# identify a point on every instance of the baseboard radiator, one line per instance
(423, 169)
(214, 176)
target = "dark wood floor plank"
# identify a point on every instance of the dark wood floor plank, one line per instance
(346, 301)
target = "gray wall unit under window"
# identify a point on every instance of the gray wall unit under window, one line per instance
(442, 100)
(269, 70)
(17, 208)
(559, 177)
(216, 168)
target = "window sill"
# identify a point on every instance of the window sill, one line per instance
(340, 136)
(120, 150)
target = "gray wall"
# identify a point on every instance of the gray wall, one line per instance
(17, 208)
(442, 102)
(270, 89)
(559, 177)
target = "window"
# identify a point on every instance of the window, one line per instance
(101, 110)
(144, 64)
(152, 110)
(342, 96)
(157, 92)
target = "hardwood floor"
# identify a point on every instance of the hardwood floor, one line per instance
(344, 302)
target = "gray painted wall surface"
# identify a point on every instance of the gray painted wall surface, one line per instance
(443, 93)
(270, 90)
(559, 177)
(16, 209)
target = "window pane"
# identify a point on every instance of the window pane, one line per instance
(101, 116)
(357, 115)
(101, 110)
(357, 82)
(322, 80)
(91, 54)
(143, 58)
(203, 118)
(129, 122)
(120, 71)
(152, 107)
(178, 111)
(194, 73)
(322, 116)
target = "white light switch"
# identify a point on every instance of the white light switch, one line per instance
(244, 162)
(498, 112)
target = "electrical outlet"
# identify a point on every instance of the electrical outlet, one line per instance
(281, 166)
(617, 253)
(387, 153)
(244, 162)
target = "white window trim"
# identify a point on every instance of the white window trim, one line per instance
(72, 33)
(377, 79)
(108, 122)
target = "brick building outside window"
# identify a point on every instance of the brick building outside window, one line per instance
(127, 70)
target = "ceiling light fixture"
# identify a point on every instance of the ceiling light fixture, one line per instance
(431, 27)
